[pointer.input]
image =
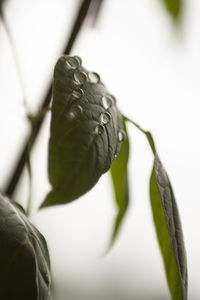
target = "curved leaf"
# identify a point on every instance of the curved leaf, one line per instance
(119, 175)
(169, 231)
(24, 258)
(85, 131)
(168, 225)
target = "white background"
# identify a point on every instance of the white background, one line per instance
(154, 70)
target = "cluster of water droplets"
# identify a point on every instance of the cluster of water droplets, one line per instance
(73, 63)
(79, 77)
(107, 101)
(104, 118)
(76, 109)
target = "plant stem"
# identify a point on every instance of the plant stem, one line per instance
(14, 54)
(28, 144)
(147, 133)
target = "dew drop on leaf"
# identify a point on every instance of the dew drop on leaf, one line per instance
(99, 129)
(107, 101)
(121, 135)
(77, 93)
(79, 60)
(75, 111)
(80, 77)
(72, 62)
(105, 118)
(93, 77)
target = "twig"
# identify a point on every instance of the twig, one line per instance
(14, 53)
(17, 172)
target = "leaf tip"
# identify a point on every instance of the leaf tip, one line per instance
(49, 200)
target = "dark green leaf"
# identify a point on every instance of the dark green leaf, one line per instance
(119, 175)
(174, 7)
(169, 231)
(168, 225)
(24, 258)
(85, 126)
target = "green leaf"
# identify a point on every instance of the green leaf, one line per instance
(119, 175)
(24, 258)
(85, 125)
(169, 231)
(174, 7)
(168, 225)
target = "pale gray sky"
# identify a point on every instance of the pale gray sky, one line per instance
(154, 73)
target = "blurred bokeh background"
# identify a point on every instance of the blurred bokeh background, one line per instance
(152, 66)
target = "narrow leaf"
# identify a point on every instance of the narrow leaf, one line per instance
(85, 125)
(168, 225)
(119, 175)
(169, 231)
(24, 258)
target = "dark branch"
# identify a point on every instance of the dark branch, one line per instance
(17, 172)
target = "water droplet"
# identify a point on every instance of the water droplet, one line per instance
(75, 111)
(77, 93)
(105, 118)
(80, 77)
(108, 101)
(79, 60)
(99, 129)
(72, 62)
(121, 135)
(93, 77)
(46, 277)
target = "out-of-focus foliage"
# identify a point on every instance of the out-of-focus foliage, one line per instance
(24, 257)
(174, 8)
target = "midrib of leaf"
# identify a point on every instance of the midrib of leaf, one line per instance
(81, 161)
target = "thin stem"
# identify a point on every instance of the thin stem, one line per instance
(147, 134)
(29, 168)
(28, 144)
(15, 55)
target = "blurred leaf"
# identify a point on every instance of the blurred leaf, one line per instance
(119, 175)
(1, 5)
(169, 231)
(168, 225)
(84, 131)
(24, 258)
(94, 10)
(173, 7)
